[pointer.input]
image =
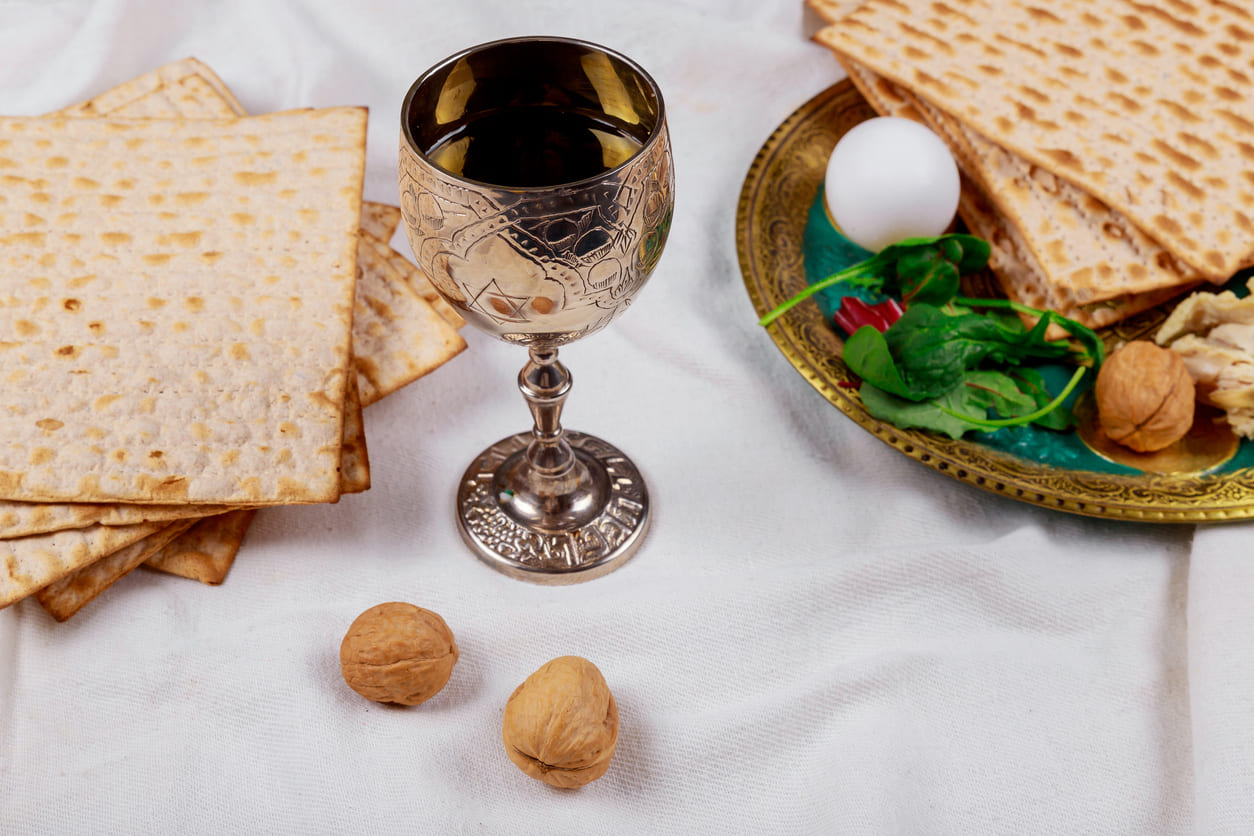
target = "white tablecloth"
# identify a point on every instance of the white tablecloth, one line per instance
(818, 636)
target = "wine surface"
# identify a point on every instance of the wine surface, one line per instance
(527, 147)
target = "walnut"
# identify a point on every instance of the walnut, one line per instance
(561, 724)
(398, 653)
(1145, 397)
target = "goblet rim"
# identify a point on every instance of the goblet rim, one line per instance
(656, 133)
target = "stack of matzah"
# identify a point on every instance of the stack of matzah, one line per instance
(196, 305)
(1107, 148)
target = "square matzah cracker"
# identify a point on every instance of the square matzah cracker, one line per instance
(179, 324)
(1023, 278)
(1144, 105)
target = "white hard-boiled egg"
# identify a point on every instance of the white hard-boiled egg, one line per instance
(891, 178)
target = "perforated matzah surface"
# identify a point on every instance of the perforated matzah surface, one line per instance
(1145, 105)
(1015, 263)
(397, 336)
(68, 595)
(223, 294)
(31, 563)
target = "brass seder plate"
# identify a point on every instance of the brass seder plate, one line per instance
(770, 223)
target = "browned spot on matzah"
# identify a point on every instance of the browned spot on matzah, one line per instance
(1176, 156)
(1024, 112)
(1239, 34)
(1038, 13)
(1023, 45)
(1185, 185)
(930, 81)
(1199, 144)
(1127, 103)
(936, 42)
(1167, 224)
(255, 178)
(1063, 157)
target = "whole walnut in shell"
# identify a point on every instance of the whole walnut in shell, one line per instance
(399, 653)
(561, 724)
(1145, 396)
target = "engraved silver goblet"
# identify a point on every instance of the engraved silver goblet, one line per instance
(537, 190)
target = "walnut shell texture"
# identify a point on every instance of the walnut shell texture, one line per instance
(1145, 396)
(399, 653)
(561, 724)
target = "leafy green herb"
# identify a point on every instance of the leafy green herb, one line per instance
(931, 368)
(949, 360)
(913, 270)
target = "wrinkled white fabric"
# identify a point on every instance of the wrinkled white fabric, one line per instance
(818, 636)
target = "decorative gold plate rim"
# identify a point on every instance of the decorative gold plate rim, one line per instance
(770, 222)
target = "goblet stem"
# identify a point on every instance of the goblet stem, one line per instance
(545, 383)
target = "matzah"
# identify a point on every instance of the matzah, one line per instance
(380, 220)
(1021, 276)
(1166, 142)
(397, 336)
(22, 519)
(206, 551)
(187, 89)
(416, 279)
(124, 384)
(31, 563)
(71, 593)
(1079, 243)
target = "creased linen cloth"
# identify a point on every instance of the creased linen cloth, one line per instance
(1221, 678)
(818, 636)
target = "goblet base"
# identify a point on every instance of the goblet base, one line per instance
(590, 525)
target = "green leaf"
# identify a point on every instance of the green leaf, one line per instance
(932, 348)
(1094, 352)
(931, 271)
(907, 414)
(965, 406)
(997, 390)
(975, 253)
(867, 355)
(926, 277)
(1031, 382)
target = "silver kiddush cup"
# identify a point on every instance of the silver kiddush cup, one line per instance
(537, 189)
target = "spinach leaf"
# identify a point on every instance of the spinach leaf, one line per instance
(1031, 382)
(928, 349)
(914, 270)
(867, 354)
(965, 406)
